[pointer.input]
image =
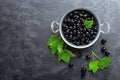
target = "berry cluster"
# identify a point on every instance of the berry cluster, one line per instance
(103, 49)
(83, 72)
(74, 29)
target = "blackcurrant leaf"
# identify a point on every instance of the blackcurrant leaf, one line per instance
(88, 23)
(55, 43)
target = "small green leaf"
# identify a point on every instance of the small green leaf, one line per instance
(104, 63)
(88, 23)
(52, 39)
(65, 55)
(66, 59)
(93, 66)
(55, 43)
(69, 53)
(100, 64)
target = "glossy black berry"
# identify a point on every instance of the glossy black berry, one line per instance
(95, 29)
(88, 57)
(83, 69)
(91, 32)
(107, 53)
(94, 32)
(103, 49)
(103, 41)
(87, 34)
(83, 74)
(70, 65)
(87, 41)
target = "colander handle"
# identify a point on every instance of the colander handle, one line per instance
(108, 27)
(53, 26)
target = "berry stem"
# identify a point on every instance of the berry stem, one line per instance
(97, 56)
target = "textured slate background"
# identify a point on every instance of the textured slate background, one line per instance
(25, 29)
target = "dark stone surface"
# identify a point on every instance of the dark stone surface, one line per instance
(24, 32)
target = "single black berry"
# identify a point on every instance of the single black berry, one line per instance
(103, 49)
(107, 53)
(83, 35)
(103, 41)
(95, 28)
(87, 41)
(70, 65)
(94, 32)
(83, 69)
(91, 32)
(83, 74)
(87, 34)
(88, 57)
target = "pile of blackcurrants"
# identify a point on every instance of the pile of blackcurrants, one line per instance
(83, 72)
(74, 30)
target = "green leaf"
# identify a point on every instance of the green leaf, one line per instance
(53, 48)
(69, 53)
(88, 23)
(55, 43)
(66, 58)
(60, 45)
(93, 66)
(60, 56)
(65, 55)
(104, 63)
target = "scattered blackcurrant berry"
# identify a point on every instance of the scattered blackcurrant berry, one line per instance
(103, 49)
(83, 74)
(88, 57)
(103, 41)
(83, 69)
(70, 65)
(107, 53)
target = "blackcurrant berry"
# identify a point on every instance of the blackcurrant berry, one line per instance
(88, 57)
(78, 43)
(103, 49)
(103, 41)
(107, 53)
(87, 41)
(70, 65)
(83, 69)
(83, 74)
(95, 33)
